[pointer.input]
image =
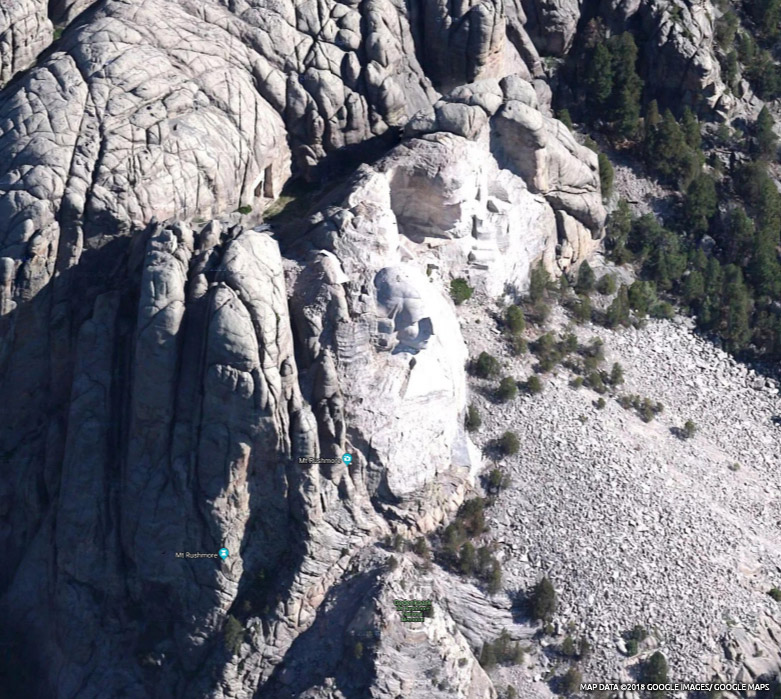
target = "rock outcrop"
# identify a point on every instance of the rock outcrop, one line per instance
(25, 31)
(177, 369)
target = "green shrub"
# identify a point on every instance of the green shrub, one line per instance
(466, 560)
(567, 648)
(689, 429)
(488, 656)
(654, 670)
(663, 309)
(586, 279)
(596, 382)
(358, 650)
(568, 344)
(533, 385)
(234, 634)
(497, 481)
(493, 578)
(775, 593)
(600, 403)
(509, 443)
(501, 650)
(486, 366)
(471, 517)
(564, 117)
(472, 420)
(515, 320)
(542, 603)
(582, 309)
(618, 310)
(518, 346)
(539, 280)
(460, 291)
(508, 389)
(631, 647)
(606, 285)
(606, 175)
(421, 548)
(616, 375)
(244, 210)
(766, 136)
(577, 382)
(571, 680)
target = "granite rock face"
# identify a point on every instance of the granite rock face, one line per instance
(175, 368)
(25, 31)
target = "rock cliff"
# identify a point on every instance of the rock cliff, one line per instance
(175, 366)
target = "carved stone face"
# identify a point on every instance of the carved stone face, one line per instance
(402, 297)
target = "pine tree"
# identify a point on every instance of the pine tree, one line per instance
(599, 78)
(691, 129)
(766, 136)
(670, 155)
(543, 600)
(627, 85)
(765, 270)
(652, 116)
(618, 311)
(606, 175)
(234, 634)
(618, 229)
(693, 287)
(767, 14)
(736, 300)
(586, 278)
(731, 68)
(700, 203)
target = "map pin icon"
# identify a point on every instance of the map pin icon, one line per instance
(223, 553)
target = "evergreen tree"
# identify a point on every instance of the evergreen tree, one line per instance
(726, 28)
(767, 14)
(765, 270)
(543, 600)
(234, 634)
(766, 136)
(736, 298)
(669, 154)
(599, 78)
(586, 278)
(652, 116)
(642, 296)
(618, 311)
(691, 129)
(731, 68)
(758, 190)
(650, 123)
(737, 240)
(700, 203)
(693, 287)
(564, 117)
(618, 229)
(655, 669)
(627, 85)
(606, 175)
(714, 278)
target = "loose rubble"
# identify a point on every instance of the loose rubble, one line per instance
(633, 524)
